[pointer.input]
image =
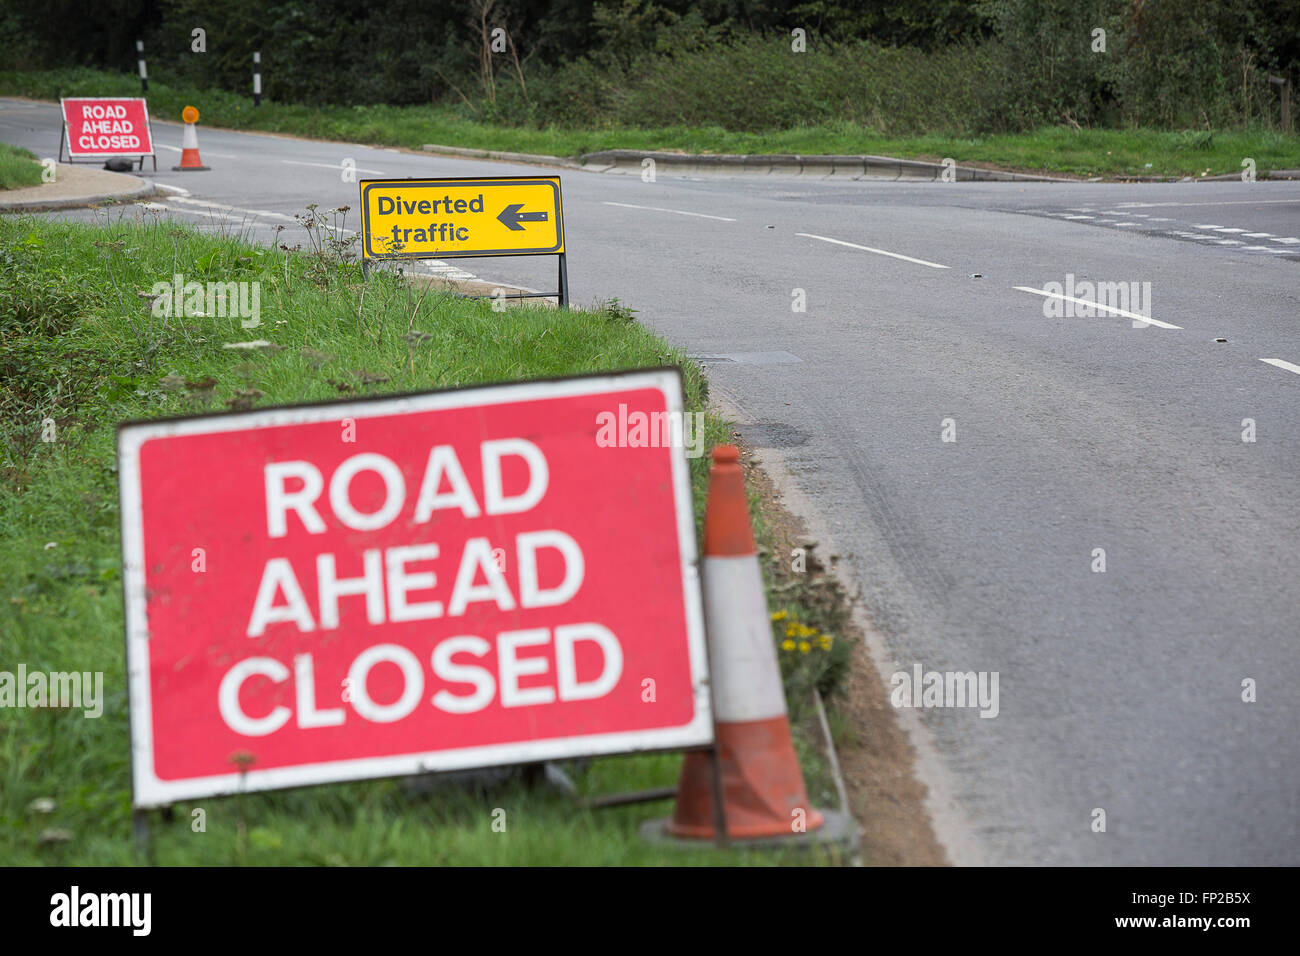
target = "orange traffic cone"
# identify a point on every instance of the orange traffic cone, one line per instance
(190, 161)
(762, 785)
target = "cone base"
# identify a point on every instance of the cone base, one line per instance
(815, 822)
(762, 785)
(840, 834)
(190, 169)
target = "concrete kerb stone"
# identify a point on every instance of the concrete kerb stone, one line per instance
(76, 186)
(530, 159)
(861, 166)
(782, 164)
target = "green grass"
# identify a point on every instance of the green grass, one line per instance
(80, 348)
(18, 168)
(1113, 153)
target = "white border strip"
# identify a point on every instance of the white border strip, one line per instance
(150, 791)
(1097, 305)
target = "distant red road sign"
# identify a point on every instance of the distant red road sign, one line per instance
(107, 126)
(425, 582)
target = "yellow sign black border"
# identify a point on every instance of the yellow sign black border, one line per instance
(552, 181)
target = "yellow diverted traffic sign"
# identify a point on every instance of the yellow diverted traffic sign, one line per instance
(458, 218)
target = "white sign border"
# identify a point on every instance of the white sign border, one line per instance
(150, 791)
(67, 130)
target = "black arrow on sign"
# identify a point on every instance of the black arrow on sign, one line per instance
(511, 217)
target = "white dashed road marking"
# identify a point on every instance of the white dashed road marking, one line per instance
(1281, 364)
(207, 209)
(1097, 305)
(334, 166)
(675, 212)
(879, 252)
(1223, 202)
(177, 149)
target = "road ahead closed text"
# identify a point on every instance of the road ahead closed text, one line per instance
(348, 591)
(107, 127)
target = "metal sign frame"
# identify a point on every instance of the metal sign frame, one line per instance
(150, 791)
(559, 249)
(65, 139)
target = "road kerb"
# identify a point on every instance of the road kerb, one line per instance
(76, 186)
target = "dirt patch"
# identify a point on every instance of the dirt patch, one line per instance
(876, 758)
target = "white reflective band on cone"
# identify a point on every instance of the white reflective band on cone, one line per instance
(746, 677)
(191, 139)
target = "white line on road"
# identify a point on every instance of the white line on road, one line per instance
(205, 208)
(207, 211)
(676, 212)
(177, 149)
(1280, 364)
(165, 208)
(879, 252)
(208, 204)
(1217, 202)
(334, 166)
(1097, 305)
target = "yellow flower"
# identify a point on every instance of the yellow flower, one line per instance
(787, 645)
(780, 615)
(804, 647)
(825, 642)
(791, 629)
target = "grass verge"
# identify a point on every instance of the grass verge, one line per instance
(79, 351)
(18, 168)
(1112, 153)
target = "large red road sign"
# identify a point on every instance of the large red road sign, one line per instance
(107, 126)
(424, 582)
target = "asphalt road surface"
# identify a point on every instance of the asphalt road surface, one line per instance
(1120, 690)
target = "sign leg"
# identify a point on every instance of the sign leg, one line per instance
(564, 283)
(140, 829)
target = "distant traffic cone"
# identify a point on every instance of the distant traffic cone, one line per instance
(190, 161)
(762, 785)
